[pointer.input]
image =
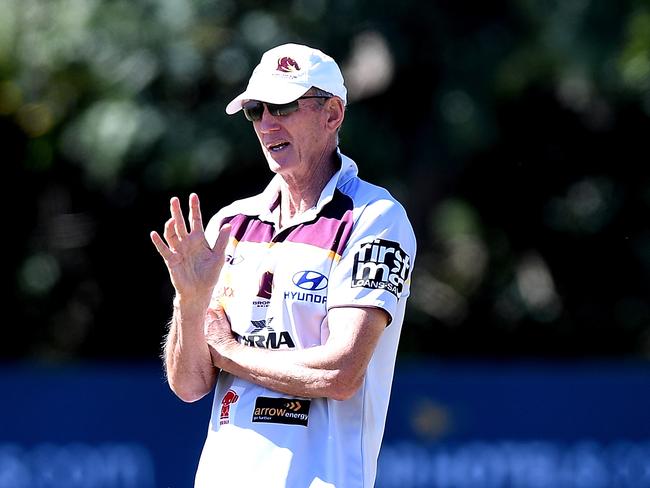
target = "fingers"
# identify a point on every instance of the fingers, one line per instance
(218, 335)
(170, 234)
(219, 247)
(213, 315)
(175, 230)
(216, 312)
(162, 248)
(196, 221)
(177, 215)
(217, 321)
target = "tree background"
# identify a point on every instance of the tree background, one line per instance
(514, 132)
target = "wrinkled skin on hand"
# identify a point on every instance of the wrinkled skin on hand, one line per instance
(193, 265)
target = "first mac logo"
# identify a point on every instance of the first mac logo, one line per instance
(381, 264)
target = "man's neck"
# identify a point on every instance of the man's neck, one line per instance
(300, 193)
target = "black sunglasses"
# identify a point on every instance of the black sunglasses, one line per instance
(254, 109)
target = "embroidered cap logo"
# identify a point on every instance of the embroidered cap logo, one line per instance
(287, 64)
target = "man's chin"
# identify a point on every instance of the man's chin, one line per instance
(277, 164)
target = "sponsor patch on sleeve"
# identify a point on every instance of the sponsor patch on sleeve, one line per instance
(289, 411)
(381, 264)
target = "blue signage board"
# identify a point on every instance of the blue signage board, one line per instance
(450, 425)
(518, 425)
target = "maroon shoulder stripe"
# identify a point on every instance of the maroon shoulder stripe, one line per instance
(330, 230)
(332, 227)
(247, 228)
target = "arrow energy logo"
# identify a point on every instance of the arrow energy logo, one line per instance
(288, 411)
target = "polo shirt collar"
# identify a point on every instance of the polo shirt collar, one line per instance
(270, 200)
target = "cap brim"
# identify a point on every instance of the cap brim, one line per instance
(269, 92)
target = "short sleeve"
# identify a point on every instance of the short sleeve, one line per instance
(374, 269)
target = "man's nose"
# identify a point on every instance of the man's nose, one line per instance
(268, 122)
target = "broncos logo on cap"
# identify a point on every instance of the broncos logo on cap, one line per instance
(287, 64)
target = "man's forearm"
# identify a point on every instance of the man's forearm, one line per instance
(334, 369)
(190, 372)
(306, 373)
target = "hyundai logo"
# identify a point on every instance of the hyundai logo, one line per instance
(310, 280)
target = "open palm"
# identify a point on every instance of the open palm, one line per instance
(193, 265)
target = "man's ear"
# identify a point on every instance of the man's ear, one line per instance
(335, 113)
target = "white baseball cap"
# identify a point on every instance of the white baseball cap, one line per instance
(286, 72)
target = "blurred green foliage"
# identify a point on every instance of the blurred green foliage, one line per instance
(513, 132)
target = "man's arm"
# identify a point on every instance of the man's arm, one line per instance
(188, 365)
(194, 268)
(334, 370)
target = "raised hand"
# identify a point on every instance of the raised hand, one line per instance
(193, 265)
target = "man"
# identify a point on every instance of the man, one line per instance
(290, 305)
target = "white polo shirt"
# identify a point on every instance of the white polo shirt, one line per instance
(356, 247)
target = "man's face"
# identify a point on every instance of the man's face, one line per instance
(296, 143)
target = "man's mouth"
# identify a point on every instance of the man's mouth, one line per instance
(277, 146)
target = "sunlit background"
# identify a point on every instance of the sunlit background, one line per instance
(514, 132)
